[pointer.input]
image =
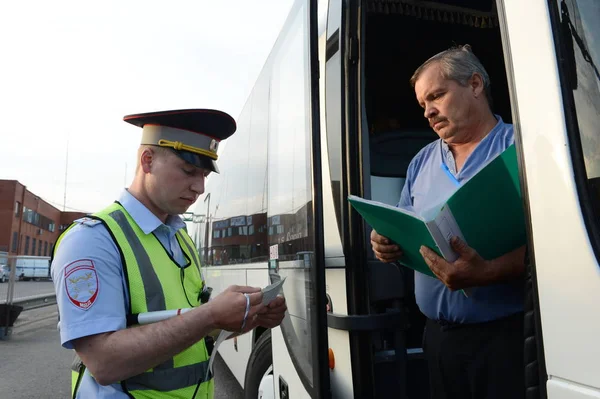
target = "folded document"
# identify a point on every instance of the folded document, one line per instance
(270, 292)
(486, 212)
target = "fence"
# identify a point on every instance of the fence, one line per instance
(25, 283)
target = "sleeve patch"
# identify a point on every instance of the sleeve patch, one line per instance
(81, 283)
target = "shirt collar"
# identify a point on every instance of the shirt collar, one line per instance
(147, 221)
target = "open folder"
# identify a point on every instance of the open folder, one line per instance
(486, 212)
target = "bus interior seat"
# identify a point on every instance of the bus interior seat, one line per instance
(392, 286)
(390, 154)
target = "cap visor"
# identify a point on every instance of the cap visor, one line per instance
(198, 160)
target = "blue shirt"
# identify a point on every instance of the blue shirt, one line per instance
(88, 250)
(431, 179)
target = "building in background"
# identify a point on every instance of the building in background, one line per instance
(28, 224)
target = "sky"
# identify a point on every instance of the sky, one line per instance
(71, 70)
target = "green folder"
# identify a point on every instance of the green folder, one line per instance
(486, 212)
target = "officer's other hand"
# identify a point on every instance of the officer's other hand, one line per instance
(272, 315)
(229, 307)
(384, 249)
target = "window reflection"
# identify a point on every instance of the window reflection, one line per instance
(289, 219)
(580, 39)
(580, 21)
(240, 239)
(263, 199)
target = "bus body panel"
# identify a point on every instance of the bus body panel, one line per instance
(568, 275)
(339, 341)
(219, 278)
(560, 389)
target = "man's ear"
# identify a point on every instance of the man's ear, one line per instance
(476, 85)
(147, 158)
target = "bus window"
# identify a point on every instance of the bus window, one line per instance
(257, 173)
(228, 208)
(290, 187)
(579, 38)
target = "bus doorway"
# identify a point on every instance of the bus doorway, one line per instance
(385, 128)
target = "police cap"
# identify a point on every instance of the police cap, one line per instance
(193, 134)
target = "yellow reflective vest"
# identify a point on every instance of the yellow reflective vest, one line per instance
(156, 282)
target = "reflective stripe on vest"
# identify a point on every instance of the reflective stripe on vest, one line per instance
(169, 380)
(156, 282)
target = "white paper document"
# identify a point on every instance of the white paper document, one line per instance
(270, 292)
(442, 229)
(222, 337)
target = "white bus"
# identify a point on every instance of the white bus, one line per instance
(332, 114)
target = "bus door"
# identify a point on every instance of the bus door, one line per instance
(554, 50)
(364, 340)
(295, 211)
(374, 129)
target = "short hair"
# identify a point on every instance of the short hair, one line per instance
(458, 64)
(158, 151)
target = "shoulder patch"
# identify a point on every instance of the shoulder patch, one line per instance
(88, 221)
(81, 283)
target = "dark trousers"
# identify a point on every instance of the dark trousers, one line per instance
(476, 361)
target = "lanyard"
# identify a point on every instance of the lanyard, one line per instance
(450, 175)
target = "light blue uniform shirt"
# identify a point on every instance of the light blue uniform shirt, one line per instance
(431, 179)
(90, 245)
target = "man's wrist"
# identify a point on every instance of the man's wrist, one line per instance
(488, 273)
(209, 316)
(505, 268)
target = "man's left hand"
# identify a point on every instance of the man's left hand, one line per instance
(469, 270)
(272, 315)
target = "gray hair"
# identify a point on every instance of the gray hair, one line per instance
(458, 64)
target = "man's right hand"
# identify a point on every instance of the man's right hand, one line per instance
(117, 355)
(384, 249)
(229, 307)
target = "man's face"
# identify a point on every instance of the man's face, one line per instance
(447, 104)
(173, 184)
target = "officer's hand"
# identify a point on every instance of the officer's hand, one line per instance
(383, 248)
(229, 307)
(272, 315)
(467, 271)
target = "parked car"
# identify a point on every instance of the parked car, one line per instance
(4, 273)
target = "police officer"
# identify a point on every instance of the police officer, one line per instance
(135, 256)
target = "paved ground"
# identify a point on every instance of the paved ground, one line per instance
(33, 365)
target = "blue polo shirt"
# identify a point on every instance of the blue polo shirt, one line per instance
(431, 179)
(89, 243)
